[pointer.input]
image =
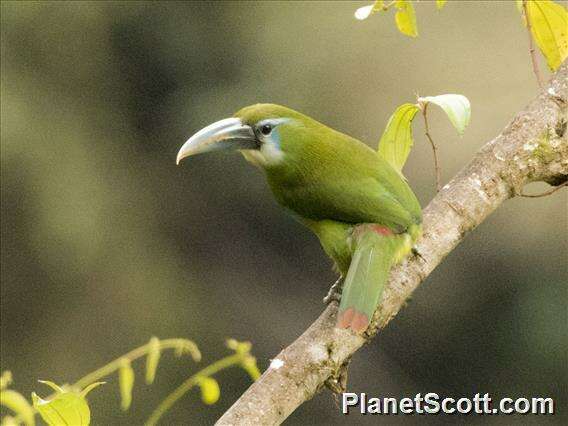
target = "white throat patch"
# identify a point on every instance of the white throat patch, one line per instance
(271, 153)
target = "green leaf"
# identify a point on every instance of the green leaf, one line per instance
(16, 402)
(366, 11)
(549, 27)
(396, 140)
(440, 3)
(66, 408)
(126, 383)
(152, 359)
(456, 107)
(210, 391)
(406, 18)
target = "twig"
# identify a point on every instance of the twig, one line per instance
(178, 344)
(133, 355)
(495, 174)
(387, 6)
(424, 108)
(531, 47)
(181, 390)
(544, 194)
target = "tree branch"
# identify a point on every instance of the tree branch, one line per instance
(529, 149)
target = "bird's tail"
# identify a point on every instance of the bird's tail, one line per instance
(376, 250)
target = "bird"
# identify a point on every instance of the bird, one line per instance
(361, 208)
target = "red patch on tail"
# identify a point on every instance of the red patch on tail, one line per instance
(344, 318)
(382, 230)
(377, 229)
(350, 318)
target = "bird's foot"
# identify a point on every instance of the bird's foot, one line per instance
(337, 383)
(416, 253)
(334, 293)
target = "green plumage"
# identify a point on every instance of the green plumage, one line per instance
(327, 175)
(360, 207)
(371, 262)
(334, 183)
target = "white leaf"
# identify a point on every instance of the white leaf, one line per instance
(363, 12)
(456, 107)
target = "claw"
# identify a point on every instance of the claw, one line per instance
(415, 252)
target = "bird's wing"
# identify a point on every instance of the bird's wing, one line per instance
(364, 200)
(360, 186)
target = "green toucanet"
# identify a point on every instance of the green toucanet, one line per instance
(362, 209)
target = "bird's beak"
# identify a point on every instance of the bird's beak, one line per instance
(229, 133)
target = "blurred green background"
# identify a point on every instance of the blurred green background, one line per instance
(105, 242)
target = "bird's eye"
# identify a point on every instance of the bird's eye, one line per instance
(266, 129)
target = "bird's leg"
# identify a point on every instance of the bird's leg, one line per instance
(334, 293)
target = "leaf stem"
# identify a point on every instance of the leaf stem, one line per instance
(182, 389)
(531, 46)
(387, 6)
(424, 109)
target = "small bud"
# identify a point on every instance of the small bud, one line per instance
(152, 359)
(126, 383)
(210, 390)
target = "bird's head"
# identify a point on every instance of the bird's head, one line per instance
(266, 134)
